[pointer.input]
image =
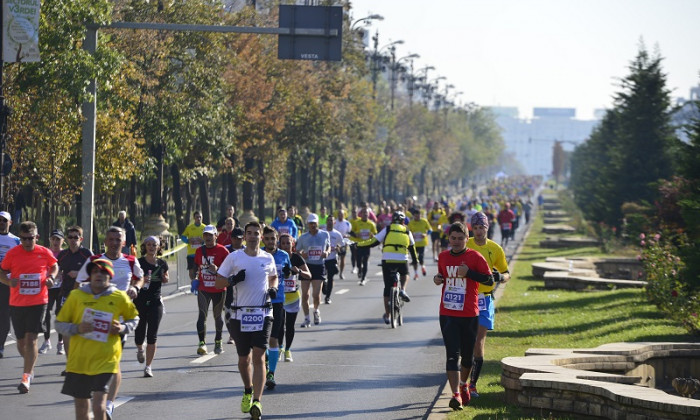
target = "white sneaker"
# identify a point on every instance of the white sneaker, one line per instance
(45, 347)
(354, 270)
(140, 356)
(317, 317)
(147, 372)
(306, 323)
(341, 276)
(60, 348)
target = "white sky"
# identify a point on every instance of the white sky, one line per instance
(541, 53)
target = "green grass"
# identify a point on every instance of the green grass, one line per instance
(529, 316)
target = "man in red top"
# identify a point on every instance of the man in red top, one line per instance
(460, 270)
(208, 259)
(505, 219)
(30, 270)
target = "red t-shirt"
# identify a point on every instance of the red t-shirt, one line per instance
(506, 216)
(31, 268)
(459, 294)
(224, 238)
(216, 256)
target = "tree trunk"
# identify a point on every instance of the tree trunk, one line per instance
(305, 188)
(248, 185)
(421, 184)
(190, 202)
(292, 183)
(341, 180)
(232, 190)
(261, 190)
(224, 195)
(370, 183)
(177, 198)
(204, 198)
(157, 186)
(313, 186)
(132, 198)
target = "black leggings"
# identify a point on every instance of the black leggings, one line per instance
(331, 271)
(150, 314)
(54, 299)
(217, 299)
(290, 318)
(459, 337)
(362, 257)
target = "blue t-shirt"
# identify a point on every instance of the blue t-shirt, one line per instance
(288, 227)
(281, 260)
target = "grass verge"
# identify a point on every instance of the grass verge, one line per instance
(529, 316)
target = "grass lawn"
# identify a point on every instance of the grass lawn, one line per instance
(529, 316)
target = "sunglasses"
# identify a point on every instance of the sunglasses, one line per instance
(73, 237)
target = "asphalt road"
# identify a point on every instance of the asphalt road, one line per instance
(352, 366)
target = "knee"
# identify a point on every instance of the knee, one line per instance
(451, 364)
(466, 363)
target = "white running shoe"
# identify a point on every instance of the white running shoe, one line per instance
(45, 347)
(306, 323)
(147, 372)
(60, 348)
(317, 317)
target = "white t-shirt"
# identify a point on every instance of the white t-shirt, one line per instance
(253, 290)
(336, 240)
(122, 272)
(343, 226)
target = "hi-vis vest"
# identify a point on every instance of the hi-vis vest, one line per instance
(396, 239)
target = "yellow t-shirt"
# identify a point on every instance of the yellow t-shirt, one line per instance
(194, 237)
(419, 229)
(363, 230)
(100, 353)
(434, 217)
(494, 256)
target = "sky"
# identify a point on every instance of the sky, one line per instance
(541, 53)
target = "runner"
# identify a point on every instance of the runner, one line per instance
(363, 229)
(284, 267)
(322, 216)
(344, 227)
(460, 271)
(7, 242)
(29, 270)
(283, 224)
(224, 237)
(70, 261)
(331, 262)
(434, 217)
(496, 259)
(192, 236)
(149, 302)
(208, 259)
(292, 295)
(505, 219)
(397, 242)
(91, 317)
(253, 275)
(297, 219)
(129, 230)
(230, 212)
(314, 246)
(55, 245)
(128, 277)
(236, 244)
(421, 230)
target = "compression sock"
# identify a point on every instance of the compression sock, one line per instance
(476, 370)
(274, 357)
(248, 390)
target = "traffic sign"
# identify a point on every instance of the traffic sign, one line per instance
(327, 47)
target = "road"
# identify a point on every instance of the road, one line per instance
(352, 366)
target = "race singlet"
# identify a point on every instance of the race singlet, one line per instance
(252, 319)
(101, 321)
(29, 284)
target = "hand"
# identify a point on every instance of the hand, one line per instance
(497, 277)
(132, 292)
(194, 287)
(85, 327)
(462, 270)
(272, 292)
(237, 278)
(50, 282)
(116, 327)
(438, 279)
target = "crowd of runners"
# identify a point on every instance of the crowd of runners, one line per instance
(256, 279)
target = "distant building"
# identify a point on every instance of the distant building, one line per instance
(531, 141)
(687, 111)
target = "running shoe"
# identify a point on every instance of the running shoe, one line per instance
(362, 282)
(270, 382)
(109, 411)
(25, 383)
(465, 394)
(386, 319)
(306, 323)
(317, 317)
(202, 349)
(256, 410)
(60, 349)
(230, 340)
(354, 270)
(45, 347)
(2, 353)
(246, 402)
(288, 356)
(217, 347)
(415, 276)
(472, 391)
(456, 403)
(425, 272)
(341, 276)
(147, 372)
(328, 300)
(404, 296)
(140, 355)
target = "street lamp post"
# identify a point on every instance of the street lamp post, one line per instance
(415, 77)
(376, 58)
(394, 67)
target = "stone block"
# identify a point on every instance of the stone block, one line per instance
(540, 402)
(562, 405)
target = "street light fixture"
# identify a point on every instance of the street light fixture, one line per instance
(366, 19)
(394, 68)
(376, 58)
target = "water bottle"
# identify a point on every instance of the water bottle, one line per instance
(148, 280)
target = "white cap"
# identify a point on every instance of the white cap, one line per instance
(6, 215)
(312, 218)
(210, 229)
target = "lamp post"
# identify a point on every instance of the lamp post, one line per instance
(366, 19)
(415, 77)
(376, 58)
(394, 67)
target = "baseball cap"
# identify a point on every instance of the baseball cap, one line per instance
(57, 232)
(237, 232)
(210, 229)
(6, 216)
(312, 218)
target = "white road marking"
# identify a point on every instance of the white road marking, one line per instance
(122, 400)
(204, 358)
(378, 273)
(342, 291)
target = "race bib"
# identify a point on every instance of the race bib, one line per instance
(29, 284)
(482, 302)
(315, 253)
(364, 234)
(196, 242)
(290, 285)
(453, 298)
(506, 226)
(284, 230)
(209, 283)
(101, 321)
(417, 236)
(252, 319)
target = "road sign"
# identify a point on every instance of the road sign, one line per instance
(305, 47)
